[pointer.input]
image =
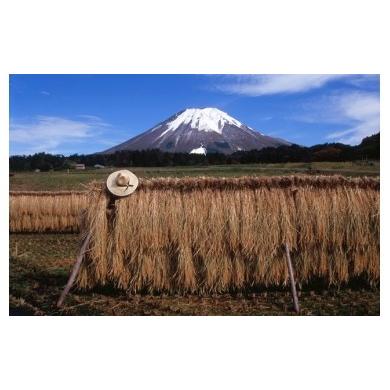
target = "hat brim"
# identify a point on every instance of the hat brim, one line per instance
(120, 190)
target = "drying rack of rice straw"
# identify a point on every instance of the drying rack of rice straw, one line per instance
(119, 184)
(215, 235)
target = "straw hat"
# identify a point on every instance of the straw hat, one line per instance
(122, 183)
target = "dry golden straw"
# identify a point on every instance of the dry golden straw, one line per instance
(207, 235)
(46, 211)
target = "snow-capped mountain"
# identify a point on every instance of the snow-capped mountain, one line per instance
(200, 130)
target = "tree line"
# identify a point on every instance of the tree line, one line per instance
(368, 149)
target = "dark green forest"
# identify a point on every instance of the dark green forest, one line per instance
(368, 149)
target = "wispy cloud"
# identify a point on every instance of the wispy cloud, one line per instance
(258, 85)
(356, 115)
(51, 133)
(93, 118)
(366, 81)
(46, 93)
(360, 111)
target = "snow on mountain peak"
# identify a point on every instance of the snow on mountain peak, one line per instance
(200, 150)
(199, 131)
(203, 119)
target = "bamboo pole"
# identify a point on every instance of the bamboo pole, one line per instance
(75, 270)
(292, 279)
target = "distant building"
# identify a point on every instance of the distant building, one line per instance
(99, 166)
(79, 166)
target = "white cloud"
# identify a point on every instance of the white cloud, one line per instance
(258, 85)
(93, 118)
(361, 113)
(50, 133)
(355, 114)
(46, 93)
(364, 81)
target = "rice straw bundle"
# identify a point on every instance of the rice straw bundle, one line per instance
(46, 211)
(207, 235)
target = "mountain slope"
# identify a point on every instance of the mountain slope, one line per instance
(190, 129)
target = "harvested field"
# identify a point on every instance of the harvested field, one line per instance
(40, 265)
(76, 180)
(209, 235)
(205, 236)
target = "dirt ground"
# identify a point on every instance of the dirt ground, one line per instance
(40, 265)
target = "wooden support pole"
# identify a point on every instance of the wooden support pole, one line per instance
(292, 279)
(75, 270)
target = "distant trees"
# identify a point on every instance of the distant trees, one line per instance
(369, 149)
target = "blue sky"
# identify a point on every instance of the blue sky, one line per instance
(89, 113)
